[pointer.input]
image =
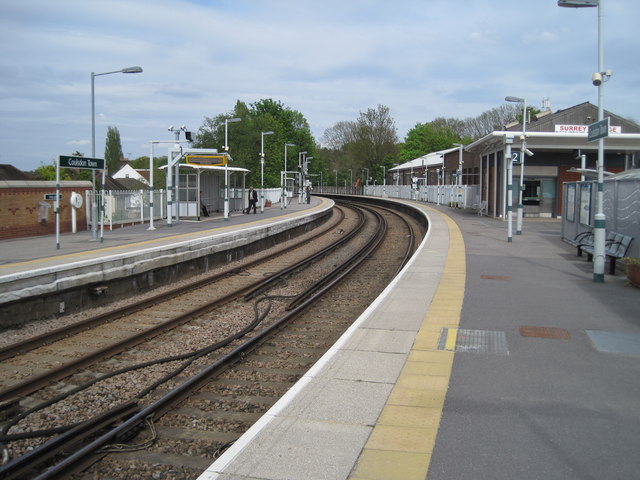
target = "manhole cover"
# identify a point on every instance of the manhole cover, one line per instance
(545, 332)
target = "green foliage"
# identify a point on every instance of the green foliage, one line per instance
(113, 150)
(245, 138)
(159, 175)
(48, 172)
(429, 137)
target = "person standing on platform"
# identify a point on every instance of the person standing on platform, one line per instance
(253, 200)
(308, 192)
(203, 207)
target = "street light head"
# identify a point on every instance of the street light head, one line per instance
(290, 145)
(578, 3)
(267, 133)
(232, 120)
(514, 99)
(132, 70)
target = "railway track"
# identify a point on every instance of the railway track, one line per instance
(237, 374)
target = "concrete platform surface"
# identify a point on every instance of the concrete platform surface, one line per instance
(478, 361)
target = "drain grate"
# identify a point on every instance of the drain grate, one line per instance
(494, 277)
(545, 332)
(473, 341)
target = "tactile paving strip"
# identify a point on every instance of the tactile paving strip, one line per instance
(474, 341)
(545, 332)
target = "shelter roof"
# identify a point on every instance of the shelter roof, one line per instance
(428, 160)
(633, 174)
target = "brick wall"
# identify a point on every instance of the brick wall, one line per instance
(20, 211)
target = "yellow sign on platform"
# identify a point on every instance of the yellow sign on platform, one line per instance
(207, 160)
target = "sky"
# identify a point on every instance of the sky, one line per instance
(329, 60)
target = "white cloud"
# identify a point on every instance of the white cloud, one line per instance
(329, 60)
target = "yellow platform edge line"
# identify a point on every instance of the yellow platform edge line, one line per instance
(386, 455)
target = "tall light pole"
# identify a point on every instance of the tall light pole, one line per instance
(283, 199)
(523, 149)
(598, 79)
(305, 170)
(262, 169)
(460, 162)
(336, 172)
(227, 121)
(94, 226)
(508, 141)
(300, 176)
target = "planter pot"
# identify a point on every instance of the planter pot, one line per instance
(633, 274)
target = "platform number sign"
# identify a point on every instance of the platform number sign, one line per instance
(516, 157)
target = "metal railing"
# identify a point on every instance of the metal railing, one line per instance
(465, 196)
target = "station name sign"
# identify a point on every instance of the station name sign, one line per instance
(583, 129)
(69, 161)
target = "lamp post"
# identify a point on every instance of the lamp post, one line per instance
(350, 180)
(283, 199)
(523, 149)
(262, 169)
(508, 141)
(460, 162)
(94, 226)
(305, 170)
(336, 172)
(300, 177)
(598, 79)
(227, 121)
(384, 181)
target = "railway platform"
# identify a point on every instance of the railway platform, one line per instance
(483, 359)
(30, 267)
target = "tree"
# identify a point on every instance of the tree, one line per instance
(48, 172)
(113, 150)
(430, 137)
(490, 120)
(289, 126)
(366, 143)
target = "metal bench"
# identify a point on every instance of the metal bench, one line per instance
(615, 247)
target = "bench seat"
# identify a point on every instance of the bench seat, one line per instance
(615, 247)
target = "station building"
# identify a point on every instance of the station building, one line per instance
(560, 150)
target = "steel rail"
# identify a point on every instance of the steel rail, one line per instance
(37, 382)
(63, 332)
(166, 402)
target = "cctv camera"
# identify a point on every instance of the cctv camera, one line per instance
(170, 128)
(183, 128)
(528, 152)
(596, 79)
